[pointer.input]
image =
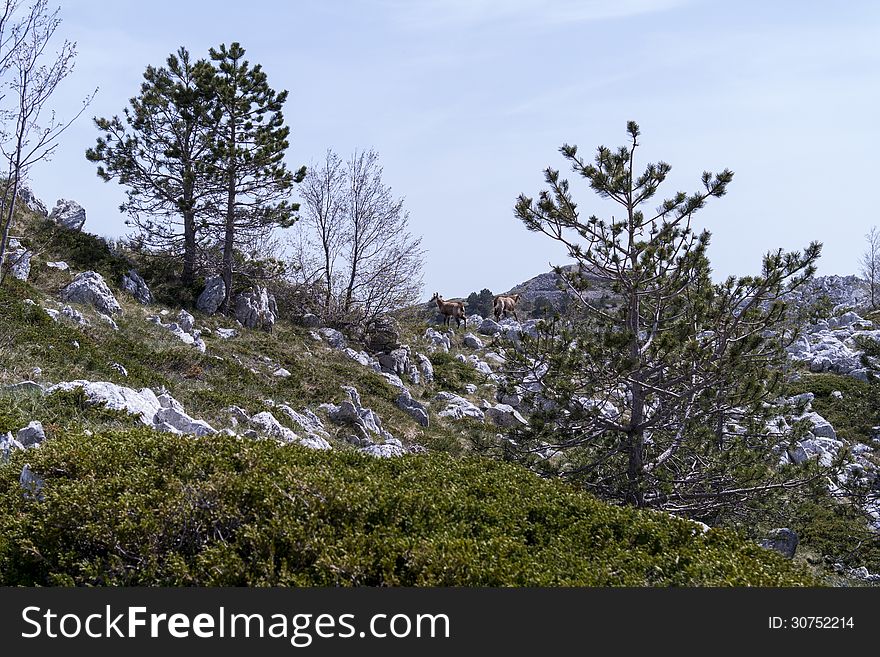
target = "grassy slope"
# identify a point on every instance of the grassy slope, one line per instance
(125, 462)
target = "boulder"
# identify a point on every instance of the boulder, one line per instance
(270, 426)
(8, 445)
(489, 327)
(256, 309)
(783, 540)
(31, 483)
(396, 362)
(32, 435)
(333, 337)
(89, 288)
(137, 287)
(505, 416)
(458, 408)
(69, 214)
(186, 321)
(212, 296)
(171, 418)
(411, 407)
(384, 451)
(307, 420)
(382, 334)
(310, 320)
(19, 263)
(437, 340)
(472, 341)
(426, 368)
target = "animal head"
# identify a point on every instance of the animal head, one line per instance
(436, 296)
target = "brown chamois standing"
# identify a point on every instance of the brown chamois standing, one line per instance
(450, 309)
(505, 303)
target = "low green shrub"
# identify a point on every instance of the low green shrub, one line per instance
(133, 507)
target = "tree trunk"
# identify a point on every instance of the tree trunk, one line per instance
(229, 240)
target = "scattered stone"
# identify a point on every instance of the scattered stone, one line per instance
(69, 214)
(137, 287)
(310, 320)
(281, 373)
(119, 368)
(226, 333)
(89, 288)
(24, 386)
(470, 388)
(108, 320)
(60, 264)
(8, 444)
(75, 315)
(273, 428)
(212, 296)
(437, 340)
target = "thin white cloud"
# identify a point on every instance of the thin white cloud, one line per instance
(427, 14)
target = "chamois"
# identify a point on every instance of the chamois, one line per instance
(505, 303)
(450, 309)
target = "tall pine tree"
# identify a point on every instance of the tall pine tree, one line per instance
(253, 182)
(162, 152)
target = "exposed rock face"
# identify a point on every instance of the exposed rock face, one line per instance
(30, 200)
(137, 287)
(256, 309)
(89, 288)
(383, 334)
(831, 345)
(411, 407)
(783, 540)
(69, 214)
(212, 296)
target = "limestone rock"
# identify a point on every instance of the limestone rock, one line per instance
(69, 214)
(137, 287)
(383, 334)
(89, 288)
(212, 296)
(256, 309)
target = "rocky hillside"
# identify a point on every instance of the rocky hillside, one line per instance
(103, 389)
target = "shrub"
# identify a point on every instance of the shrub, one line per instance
(133, 507)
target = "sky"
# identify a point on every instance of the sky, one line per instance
(468, 101)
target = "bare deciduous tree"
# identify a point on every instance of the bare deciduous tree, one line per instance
(33, 78)
(357, 241)
(870, 264)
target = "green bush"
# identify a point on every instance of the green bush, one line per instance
(452, 374)
(133, 507)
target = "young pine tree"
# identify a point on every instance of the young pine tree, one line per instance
(659, 398)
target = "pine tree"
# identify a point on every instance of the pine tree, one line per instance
(251, 139)
(161, 152)
(661, 398)
(481, 303)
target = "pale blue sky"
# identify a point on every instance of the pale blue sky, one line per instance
(466, 101)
